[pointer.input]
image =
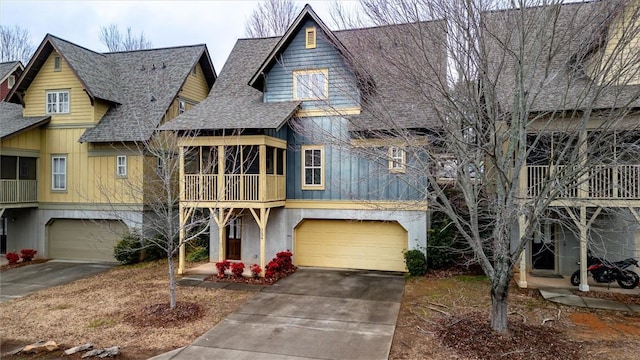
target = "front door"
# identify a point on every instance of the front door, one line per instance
(543, 248)
(234, 234)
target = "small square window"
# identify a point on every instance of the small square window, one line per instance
(397, 159)
(121, 166)
(57, 66)
(11, 81)
(181, 107)
(310, 37)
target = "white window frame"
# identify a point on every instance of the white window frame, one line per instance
(310, 38)
(313, 167)
(11, 81)
(57, 63)
(121, 166)
(182, 106)
(54, 104)
(397, 159)
(59, 172)
(303, 82)
(160, 166)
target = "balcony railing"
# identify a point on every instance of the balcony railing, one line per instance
(18, 191)
(598, 182)
(235, 187)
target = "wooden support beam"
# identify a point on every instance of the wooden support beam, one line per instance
(262, 220)
(522, 281)
(584, 286)
(181, 250)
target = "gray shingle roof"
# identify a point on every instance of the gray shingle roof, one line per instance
(7, 67)
(232, 104)
(12, 122)
(148, 81)
(573, 35)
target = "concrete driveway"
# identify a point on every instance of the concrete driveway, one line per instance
(312, 314)
(22, 281)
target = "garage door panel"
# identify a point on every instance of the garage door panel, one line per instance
(91, 240)
(374, 245)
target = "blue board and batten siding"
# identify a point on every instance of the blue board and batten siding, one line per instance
(343, 92)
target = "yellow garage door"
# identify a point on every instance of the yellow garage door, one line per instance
(371, 245)
(91, 240)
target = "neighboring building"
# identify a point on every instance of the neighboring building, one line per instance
(273, 163)
(69, 135)
(9, 74)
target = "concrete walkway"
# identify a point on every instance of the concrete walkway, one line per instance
(312, 314)
(566, 297)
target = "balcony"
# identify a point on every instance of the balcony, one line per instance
(600, 182)
(14, 192)
(236, 188)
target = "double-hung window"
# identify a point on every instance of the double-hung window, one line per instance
(312, 167)
(58, 102)
(59, 173)
(397, 159)
(121, 166)
(311, 84)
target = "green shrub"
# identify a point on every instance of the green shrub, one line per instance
(416, 262)
(443, 246)
(127, 251)
(151, 251)
(198, 254)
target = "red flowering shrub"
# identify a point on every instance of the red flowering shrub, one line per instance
(27, 254)
(237, 269)
(255, 270)
(280, 266)
(12, 257)
(222, 266)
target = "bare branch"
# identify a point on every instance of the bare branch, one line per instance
(271, 18)
(15, 44)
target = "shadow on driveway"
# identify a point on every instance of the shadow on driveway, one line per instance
(25, 280)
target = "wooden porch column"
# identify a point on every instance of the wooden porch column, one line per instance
(262, 178)
(583, 249)
(522, 280)
(221, 220)
(262, 220)
(221, 165)
(181, 249)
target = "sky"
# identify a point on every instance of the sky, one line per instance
(217, 23)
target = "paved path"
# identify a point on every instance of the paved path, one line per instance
(566, 297)
(312, 314)
(22, 281)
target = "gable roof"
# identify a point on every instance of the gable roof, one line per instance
(138, 85)
(12, 123)
(232, 104)
(8, 68)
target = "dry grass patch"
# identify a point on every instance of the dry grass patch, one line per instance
(98, 310)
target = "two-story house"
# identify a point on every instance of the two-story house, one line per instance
(70, 142)
(273, 161)
(9, 74)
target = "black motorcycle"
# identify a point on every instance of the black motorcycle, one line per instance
(604, 271)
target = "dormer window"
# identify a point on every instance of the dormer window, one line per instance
(56, 63)
(11, 81)
(310, 38)
(311, 84)
(181, 107)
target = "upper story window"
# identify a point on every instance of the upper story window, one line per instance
(311, 84)
(181, 106)
(310, 38)
(58, 102)
(11, 81)
(313, 167)
(57, 64)
(194, 71)
(397, 159)
(121, 166)
(59, 172)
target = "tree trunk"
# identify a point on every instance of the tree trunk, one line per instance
(172, 283)
(499, 295)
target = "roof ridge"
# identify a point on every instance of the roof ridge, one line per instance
(154, 49)
(74, 44)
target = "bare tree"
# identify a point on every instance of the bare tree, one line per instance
(271, 18)
(15, 44)
(115, 40)
(516, 114)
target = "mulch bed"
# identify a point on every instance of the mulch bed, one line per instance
(22, 263)
(161, 315)
(251, 280)
(470, 335)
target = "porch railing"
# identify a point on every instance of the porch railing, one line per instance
(18, 191)
(235, 187)
(597, 182)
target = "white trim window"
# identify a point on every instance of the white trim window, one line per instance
(313, 167)
(59, 173)
(182, 105)
(11, 81)
(397, 159)
(57, 63)
(310, 38)
(58, 102)
(311, 84)
(121, 166)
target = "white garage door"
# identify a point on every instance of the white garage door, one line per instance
(371, 245)
(91, 240)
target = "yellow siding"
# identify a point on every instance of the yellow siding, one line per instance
(100, 108)
(80, 109)
(29, 140)
(195, 88)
